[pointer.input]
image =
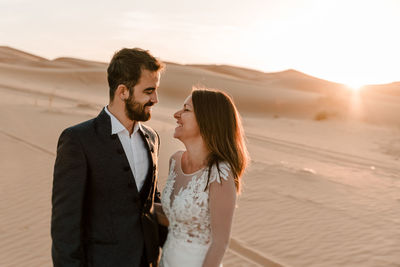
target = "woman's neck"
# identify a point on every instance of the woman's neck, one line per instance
(196, 155)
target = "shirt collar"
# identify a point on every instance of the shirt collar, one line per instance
(116, 125)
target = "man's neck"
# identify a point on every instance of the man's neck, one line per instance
(121, 116)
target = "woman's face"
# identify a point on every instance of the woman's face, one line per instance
(187, 125)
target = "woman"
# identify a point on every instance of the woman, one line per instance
(200, 193)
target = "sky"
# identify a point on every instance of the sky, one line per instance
(354, 42)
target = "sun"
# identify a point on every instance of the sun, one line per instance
(355, 86)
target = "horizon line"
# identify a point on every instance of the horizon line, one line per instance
(200, 64)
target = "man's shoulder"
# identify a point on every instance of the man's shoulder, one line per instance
(81, 128)
(150, 131)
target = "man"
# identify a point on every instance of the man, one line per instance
(105, 175)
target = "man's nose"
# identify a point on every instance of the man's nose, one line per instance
(177, 115)
(155, 98)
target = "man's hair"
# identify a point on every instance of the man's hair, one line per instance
(126, 68)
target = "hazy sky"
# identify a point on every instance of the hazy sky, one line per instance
(349, 41)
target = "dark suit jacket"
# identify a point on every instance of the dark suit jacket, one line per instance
(98, 217)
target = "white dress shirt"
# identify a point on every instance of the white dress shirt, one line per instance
(134, 147)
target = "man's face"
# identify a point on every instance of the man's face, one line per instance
(138, 105)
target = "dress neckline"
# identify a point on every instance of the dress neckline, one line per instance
(174, 192)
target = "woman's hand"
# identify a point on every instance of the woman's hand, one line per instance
(161, 218)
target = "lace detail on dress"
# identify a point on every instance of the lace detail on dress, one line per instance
(188, 211)
(223, 172)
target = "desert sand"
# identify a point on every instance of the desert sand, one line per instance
(322, 188)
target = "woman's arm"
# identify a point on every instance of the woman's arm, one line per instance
(222, 204)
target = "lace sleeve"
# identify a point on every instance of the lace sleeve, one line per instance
(171, 164)
(222, 201)
(223, 172)
(172, 161)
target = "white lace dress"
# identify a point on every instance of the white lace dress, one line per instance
(185, 204)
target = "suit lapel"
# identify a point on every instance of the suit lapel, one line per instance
(152, 157)
(114, 146)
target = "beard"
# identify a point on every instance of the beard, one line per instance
(137, 111)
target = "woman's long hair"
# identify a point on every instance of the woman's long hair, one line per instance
(221, 128)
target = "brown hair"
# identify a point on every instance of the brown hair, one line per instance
(221, 128)
(126, 68)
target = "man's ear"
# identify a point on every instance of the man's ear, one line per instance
(122, 92)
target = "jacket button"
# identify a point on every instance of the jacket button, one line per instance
(130, 183)
(135, 199)
(120, 151)
(127, 168)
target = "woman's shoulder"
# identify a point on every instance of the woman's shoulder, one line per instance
(175, 157)
(220, 170)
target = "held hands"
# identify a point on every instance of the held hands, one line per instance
(161, 218)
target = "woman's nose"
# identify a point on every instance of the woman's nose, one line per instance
(177, 115)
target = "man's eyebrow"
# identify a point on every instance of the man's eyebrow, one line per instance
(150, 89)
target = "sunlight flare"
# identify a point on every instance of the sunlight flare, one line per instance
(355, 86)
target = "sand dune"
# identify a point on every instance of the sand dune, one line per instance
(11, 55)
(287, 93)
(320, 191)
(292, 79)
(79, 63)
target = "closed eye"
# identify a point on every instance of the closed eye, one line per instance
(185, 107)
(149, 91)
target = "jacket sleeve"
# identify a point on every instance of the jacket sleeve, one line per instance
(69, 181)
